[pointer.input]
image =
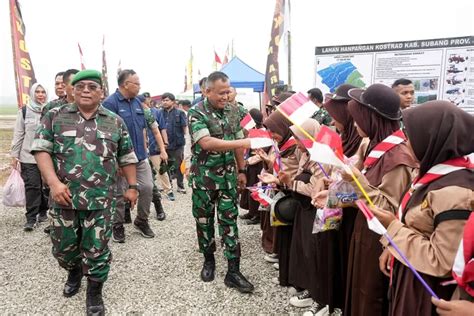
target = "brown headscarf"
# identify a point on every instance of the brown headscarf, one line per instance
(278, 124)
(439, 131)
(377, 129)
(350, 138)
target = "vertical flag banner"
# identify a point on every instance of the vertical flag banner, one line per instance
(185, 79)
(81, 55)
(189, 71)
(119, 67)
(217, 60)
(272, 76)
(105, 79)
(226, 57)
(24, 73)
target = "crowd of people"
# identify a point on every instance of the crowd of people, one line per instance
(415, 163)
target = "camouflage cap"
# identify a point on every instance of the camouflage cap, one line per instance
(87, 74)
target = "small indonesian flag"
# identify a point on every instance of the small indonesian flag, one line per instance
(247, 122)
(322, 153)
(332, 139)
(260, 138)
(298, 108)
(261, 197)
(374, 224)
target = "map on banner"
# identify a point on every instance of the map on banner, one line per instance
(440, 69)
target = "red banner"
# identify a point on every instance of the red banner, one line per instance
(24, 73)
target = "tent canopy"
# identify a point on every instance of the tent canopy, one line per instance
(241, 76)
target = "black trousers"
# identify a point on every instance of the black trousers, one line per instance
(36, 196)
(177, 155)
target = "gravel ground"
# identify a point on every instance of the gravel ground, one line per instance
(147, 277)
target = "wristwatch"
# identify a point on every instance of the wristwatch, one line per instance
(133, 186)
(242, 171)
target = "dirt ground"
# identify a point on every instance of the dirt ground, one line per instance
(6, 135)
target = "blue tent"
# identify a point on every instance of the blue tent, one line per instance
(241, 76)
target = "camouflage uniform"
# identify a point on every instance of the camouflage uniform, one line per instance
(322, 116)
(53, 104)
(86, 155)
(213, 177)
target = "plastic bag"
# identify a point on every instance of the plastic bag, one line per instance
(340, 194)
(14, 190)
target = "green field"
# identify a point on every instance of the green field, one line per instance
(8, 109)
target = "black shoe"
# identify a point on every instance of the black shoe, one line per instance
(42, 218)
(29, 226)
(253, 221)
(73, 282)
(160, 213)
(208, 268)
(235, 279)
(47, 230)
(118, 234)
(127, 217)
(246, 216)
(143, 228)
(181, 190)
(94, 303)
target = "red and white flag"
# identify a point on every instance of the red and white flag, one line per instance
(332, 139)
(322, 153)
(247, 122)
(81, 55)
(260, 138)
(261, 197)
(298, 108)
(374, 224)
(463, 267)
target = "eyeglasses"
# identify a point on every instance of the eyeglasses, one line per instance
(137, 84)
(90, 87)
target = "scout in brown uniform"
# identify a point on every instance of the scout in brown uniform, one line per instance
(435, 209)
(388, 170)
(279, 127)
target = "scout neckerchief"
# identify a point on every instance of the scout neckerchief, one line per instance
(277, 163)
(435, 173)
(381, 148)
(463, 267)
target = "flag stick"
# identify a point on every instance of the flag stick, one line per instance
(306, 134)
(346, 168)
(418, 276)
(278, 156)
(363, 207)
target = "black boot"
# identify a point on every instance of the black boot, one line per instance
(208, 268)
(160, 213)
(128, 216)
(94, 303)
(234, 278)
(73, 282)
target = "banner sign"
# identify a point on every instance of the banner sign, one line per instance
(24, 73)
(441, 69)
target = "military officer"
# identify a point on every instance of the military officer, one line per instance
(78, 148)
(217, 145)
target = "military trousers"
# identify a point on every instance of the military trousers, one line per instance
(80, 238)
(205, 203)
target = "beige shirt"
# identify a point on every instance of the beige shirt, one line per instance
(315, 184)
(431, 250)
(389, 193)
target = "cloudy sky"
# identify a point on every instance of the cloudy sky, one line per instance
(154, 37)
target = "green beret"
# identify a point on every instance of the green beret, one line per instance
(87, 74)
